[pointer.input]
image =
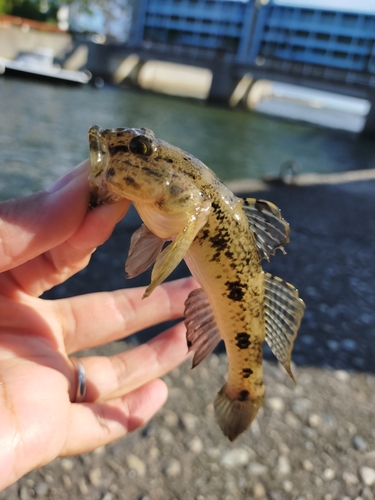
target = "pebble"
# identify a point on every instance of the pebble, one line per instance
(350, 478)
(359, 443)
(41, 489)
(333, 345)
(257, 469)
(165, 436)
(24, 493)
(283, 465)
(288, 486)
(136, 464)
(83, 486)
(108, 496)
(259, 491)
(188, 382)
(101, 450)
(342, 375)
(315, 420)
(275, 404)
(367, 475)
(95, 476)
(172, 468)
(301, 406)
(329, 474)
(349, 344)
(307, 465)
(67, 481)
(170, 418)
(235, 458)
(292, 421)
(195, 445)
(67, 464)
(189, 421)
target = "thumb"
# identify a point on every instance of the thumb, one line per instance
(34, 224)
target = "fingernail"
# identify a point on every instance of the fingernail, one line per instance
(66, 179)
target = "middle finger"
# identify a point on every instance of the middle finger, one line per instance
(95, 319)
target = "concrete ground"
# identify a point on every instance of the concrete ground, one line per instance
(315, 441)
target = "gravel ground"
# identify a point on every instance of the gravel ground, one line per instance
(312, 441)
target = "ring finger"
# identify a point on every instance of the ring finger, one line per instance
(114, 376)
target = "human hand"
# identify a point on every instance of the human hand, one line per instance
(44, 239)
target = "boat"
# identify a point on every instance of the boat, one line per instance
(39, 63)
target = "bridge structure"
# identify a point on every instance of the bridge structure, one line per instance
(307, 43)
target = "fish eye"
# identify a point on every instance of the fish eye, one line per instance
(140, 145)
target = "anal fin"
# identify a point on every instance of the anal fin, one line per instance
(283, 314)
(202, 333)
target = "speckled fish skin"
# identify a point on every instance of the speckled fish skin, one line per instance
(181, 199)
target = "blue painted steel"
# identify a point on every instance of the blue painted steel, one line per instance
(328, 38)
(217, 25)
(250, 33)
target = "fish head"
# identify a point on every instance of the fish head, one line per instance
(128, 163)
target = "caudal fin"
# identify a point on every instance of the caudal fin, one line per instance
(234, 415)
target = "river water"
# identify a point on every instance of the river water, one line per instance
(43, 133)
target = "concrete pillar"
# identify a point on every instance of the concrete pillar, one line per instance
(369, 128)
(223, 82)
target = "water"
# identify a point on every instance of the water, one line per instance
(43, 133)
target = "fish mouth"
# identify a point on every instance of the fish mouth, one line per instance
(98, 151)
(99, 158)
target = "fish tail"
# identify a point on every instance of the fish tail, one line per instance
(235, 414)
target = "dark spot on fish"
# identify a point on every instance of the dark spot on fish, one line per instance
(218, 277)
(243, 340)
(131, 182)
(99, 173)
(247, 260)
(219, 241)
(243, 395)
(110, 172)
(175, 190)
(205, 234)
(215, 258)
(114, 150)
(169, 160)
(151, 171)
(215, 206)
(236, 290)
(160, 202)
(229, 254)
(246, 372)
(187, 159)
(232, 265)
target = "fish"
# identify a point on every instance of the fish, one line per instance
(189, 213)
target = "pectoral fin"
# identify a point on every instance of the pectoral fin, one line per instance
(145, 246)
(202, 333)
(172, 255)
(283, 313)
(271, 231)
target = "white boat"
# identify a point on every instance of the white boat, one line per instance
(40, 63)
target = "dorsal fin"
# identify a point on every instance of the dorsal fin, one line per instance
(202, 333)
(271, 231)
(283, 314)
